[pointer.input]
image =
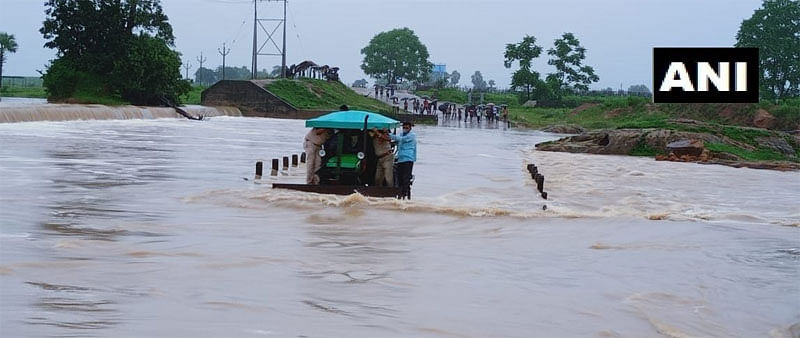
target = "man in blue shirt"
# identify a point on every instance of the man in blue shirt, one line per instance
(406, 156)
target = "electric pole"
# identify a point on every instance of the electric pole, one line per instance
(187, 66)
(224, 52)
(201, 60)
(269, 34)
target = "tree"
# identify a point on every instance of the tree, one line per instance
(7, 44)
(775, 30)
(477, 81)
(491, 85)
(568, 56)
(95, 38)
(276, 72)
(454, 77)
(148, 71)
(395, 56)
(205, 76)
(639, 89)
(523, 52)
(360, 83)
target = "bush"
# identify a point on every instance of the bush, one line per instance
(61, 79)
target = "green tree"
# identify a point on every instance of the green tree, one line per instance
(775, 30)
(276, 72)
(395, 56)
(524, 78)
(7, 44)
(454, 77)
(477, 81)
(640, 89)
(360, 83)
(568, 58)
(205, 76)
(98, 38)
(491, 85)
(148, 71)
(235, 73)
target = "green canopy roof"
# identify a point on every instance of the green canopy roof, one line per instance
(352, 119)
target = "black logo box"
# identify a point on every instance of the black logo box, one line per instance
(690, 57)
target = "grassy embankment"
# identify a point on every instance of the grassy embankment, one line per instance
(193, 96)
(314, 94)
(733, 121)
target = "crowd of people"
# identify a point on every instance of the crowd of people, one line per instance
(450, 111)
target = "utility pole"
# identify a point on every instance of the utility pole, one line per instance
(187, 66)
(201, 60)
(269, 34)
(224, 52)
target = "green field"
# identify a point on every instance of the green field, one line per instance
(33, 92)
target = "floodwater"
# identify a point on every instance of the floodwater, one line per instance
(156, 228)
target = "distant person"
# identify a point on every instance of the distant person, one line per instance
(312, 144)
(381, 90)
(376, 92)
(405, 105)
(406, 156)
(384, 170)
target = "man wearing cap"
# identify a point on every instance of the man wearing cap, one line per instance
(406, 156)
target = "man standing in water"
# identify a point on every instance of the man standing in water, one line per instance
(314, 140)
(406, 156)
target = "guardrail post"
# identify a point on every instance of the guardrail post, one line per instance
(274, 167)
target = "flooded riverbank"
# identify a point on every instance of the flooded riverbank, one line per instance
(147, 228)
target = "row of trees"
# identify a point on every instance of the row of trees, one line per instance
(567, 56)
(398, 56)
(205, 76)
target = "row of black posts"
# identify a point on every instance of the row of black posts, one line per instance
(539, 178)
(276, 162)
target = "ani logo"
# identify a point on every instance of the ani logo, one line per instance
(705, 75)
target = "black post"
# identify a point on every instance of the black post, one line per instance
(259, 169)
(294, 160)
(274, 167)
(285, 162)
(303, 157)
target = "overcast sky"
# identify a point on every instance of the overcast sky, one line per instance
(466, 35)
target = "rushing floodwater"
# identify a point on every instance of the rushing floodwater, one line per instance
(155, 228)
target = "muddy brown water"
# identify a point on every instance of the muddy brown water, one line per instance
(137, 228)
